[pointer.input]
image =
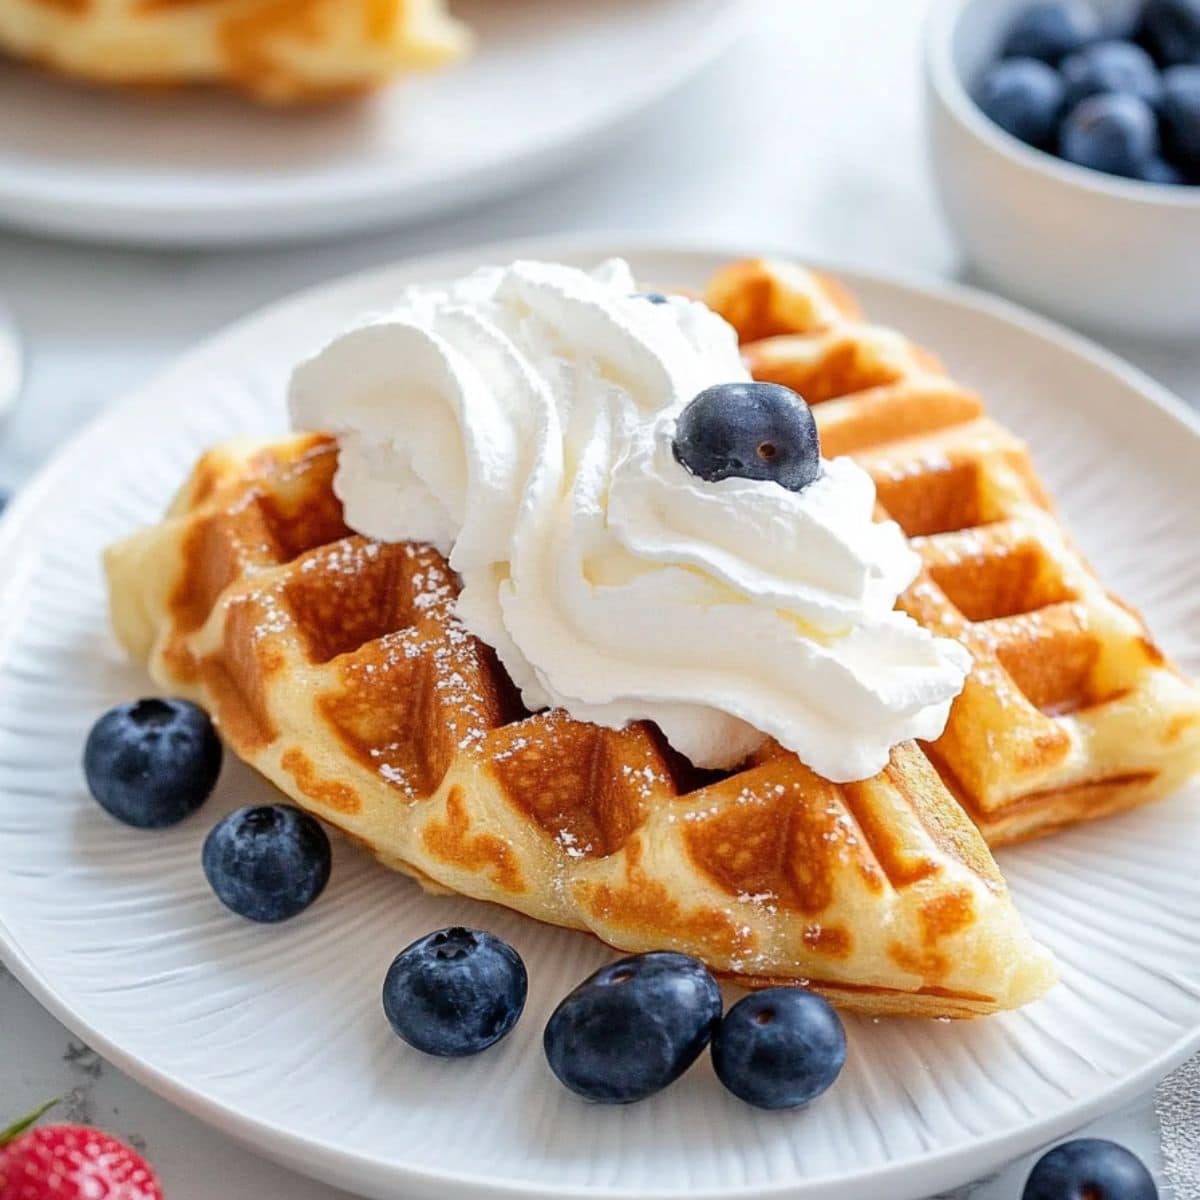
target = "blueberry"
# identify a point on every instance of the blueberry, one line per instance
(779, 1048)
(1111, 67)
(1117, 134)
(1158, 170)
(652, 297)
(1090, 1169)
(455, 992)
(633, 1027)
(267, 862)
(1052, 29)
(1171, 29)
(153, 762)
(749, 431)
(1124, 25)
(1025, 98)
(1181, 117)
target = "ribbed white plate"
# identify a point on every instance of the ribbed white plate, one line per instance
(548, 82)
(276, 1034)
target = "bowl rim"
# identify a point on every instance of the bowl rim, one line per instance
(941, 25)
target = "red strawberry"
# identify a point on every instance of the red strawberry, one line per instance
(71, 1162)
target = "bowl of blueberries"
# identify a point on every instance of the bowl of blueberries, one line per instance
(1065, 137)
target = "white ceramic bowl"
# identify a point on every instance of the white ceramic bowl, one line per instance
(1096, 250)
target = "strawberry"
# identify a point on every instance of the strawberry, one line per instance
(70, 1162)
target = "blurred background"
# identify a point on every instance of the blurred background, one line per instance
(807, 133)
(131, 226)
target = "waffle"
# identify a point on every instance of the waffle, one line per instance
(335, 666)
(1071, 710)
(280, 51)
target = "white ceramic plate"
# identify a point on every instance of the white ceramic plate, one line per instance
(276, 1035)
(549, 79)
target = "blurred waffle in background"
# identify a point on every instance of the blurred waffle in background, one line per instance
(278, 51)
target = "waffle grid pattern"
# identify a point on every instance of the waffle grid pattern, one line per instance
(335, 665)
(1071, 711)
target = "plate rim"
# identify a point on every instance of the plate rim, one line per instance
(357, 199)
(330, 1161)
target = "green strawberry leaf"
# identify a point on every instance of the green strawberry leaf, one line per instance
(15, 1130)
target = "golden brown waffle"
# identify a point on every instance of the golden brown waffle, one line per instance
(335, 666)
(1071, 710)
(281, 51)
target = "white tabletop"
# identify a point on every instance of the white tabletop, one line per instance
(808, 135)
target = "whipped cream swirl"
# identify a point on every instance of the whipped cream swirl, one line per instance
(521, 420)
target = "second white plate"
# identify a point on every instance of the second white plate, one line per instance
(547, 81)
(276, 1034)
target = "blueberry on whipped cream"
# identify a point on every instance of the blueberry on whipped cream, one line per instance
(749, 431)
(523, 420)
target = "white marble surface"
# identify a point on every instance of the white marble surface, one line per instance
(807, 135)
